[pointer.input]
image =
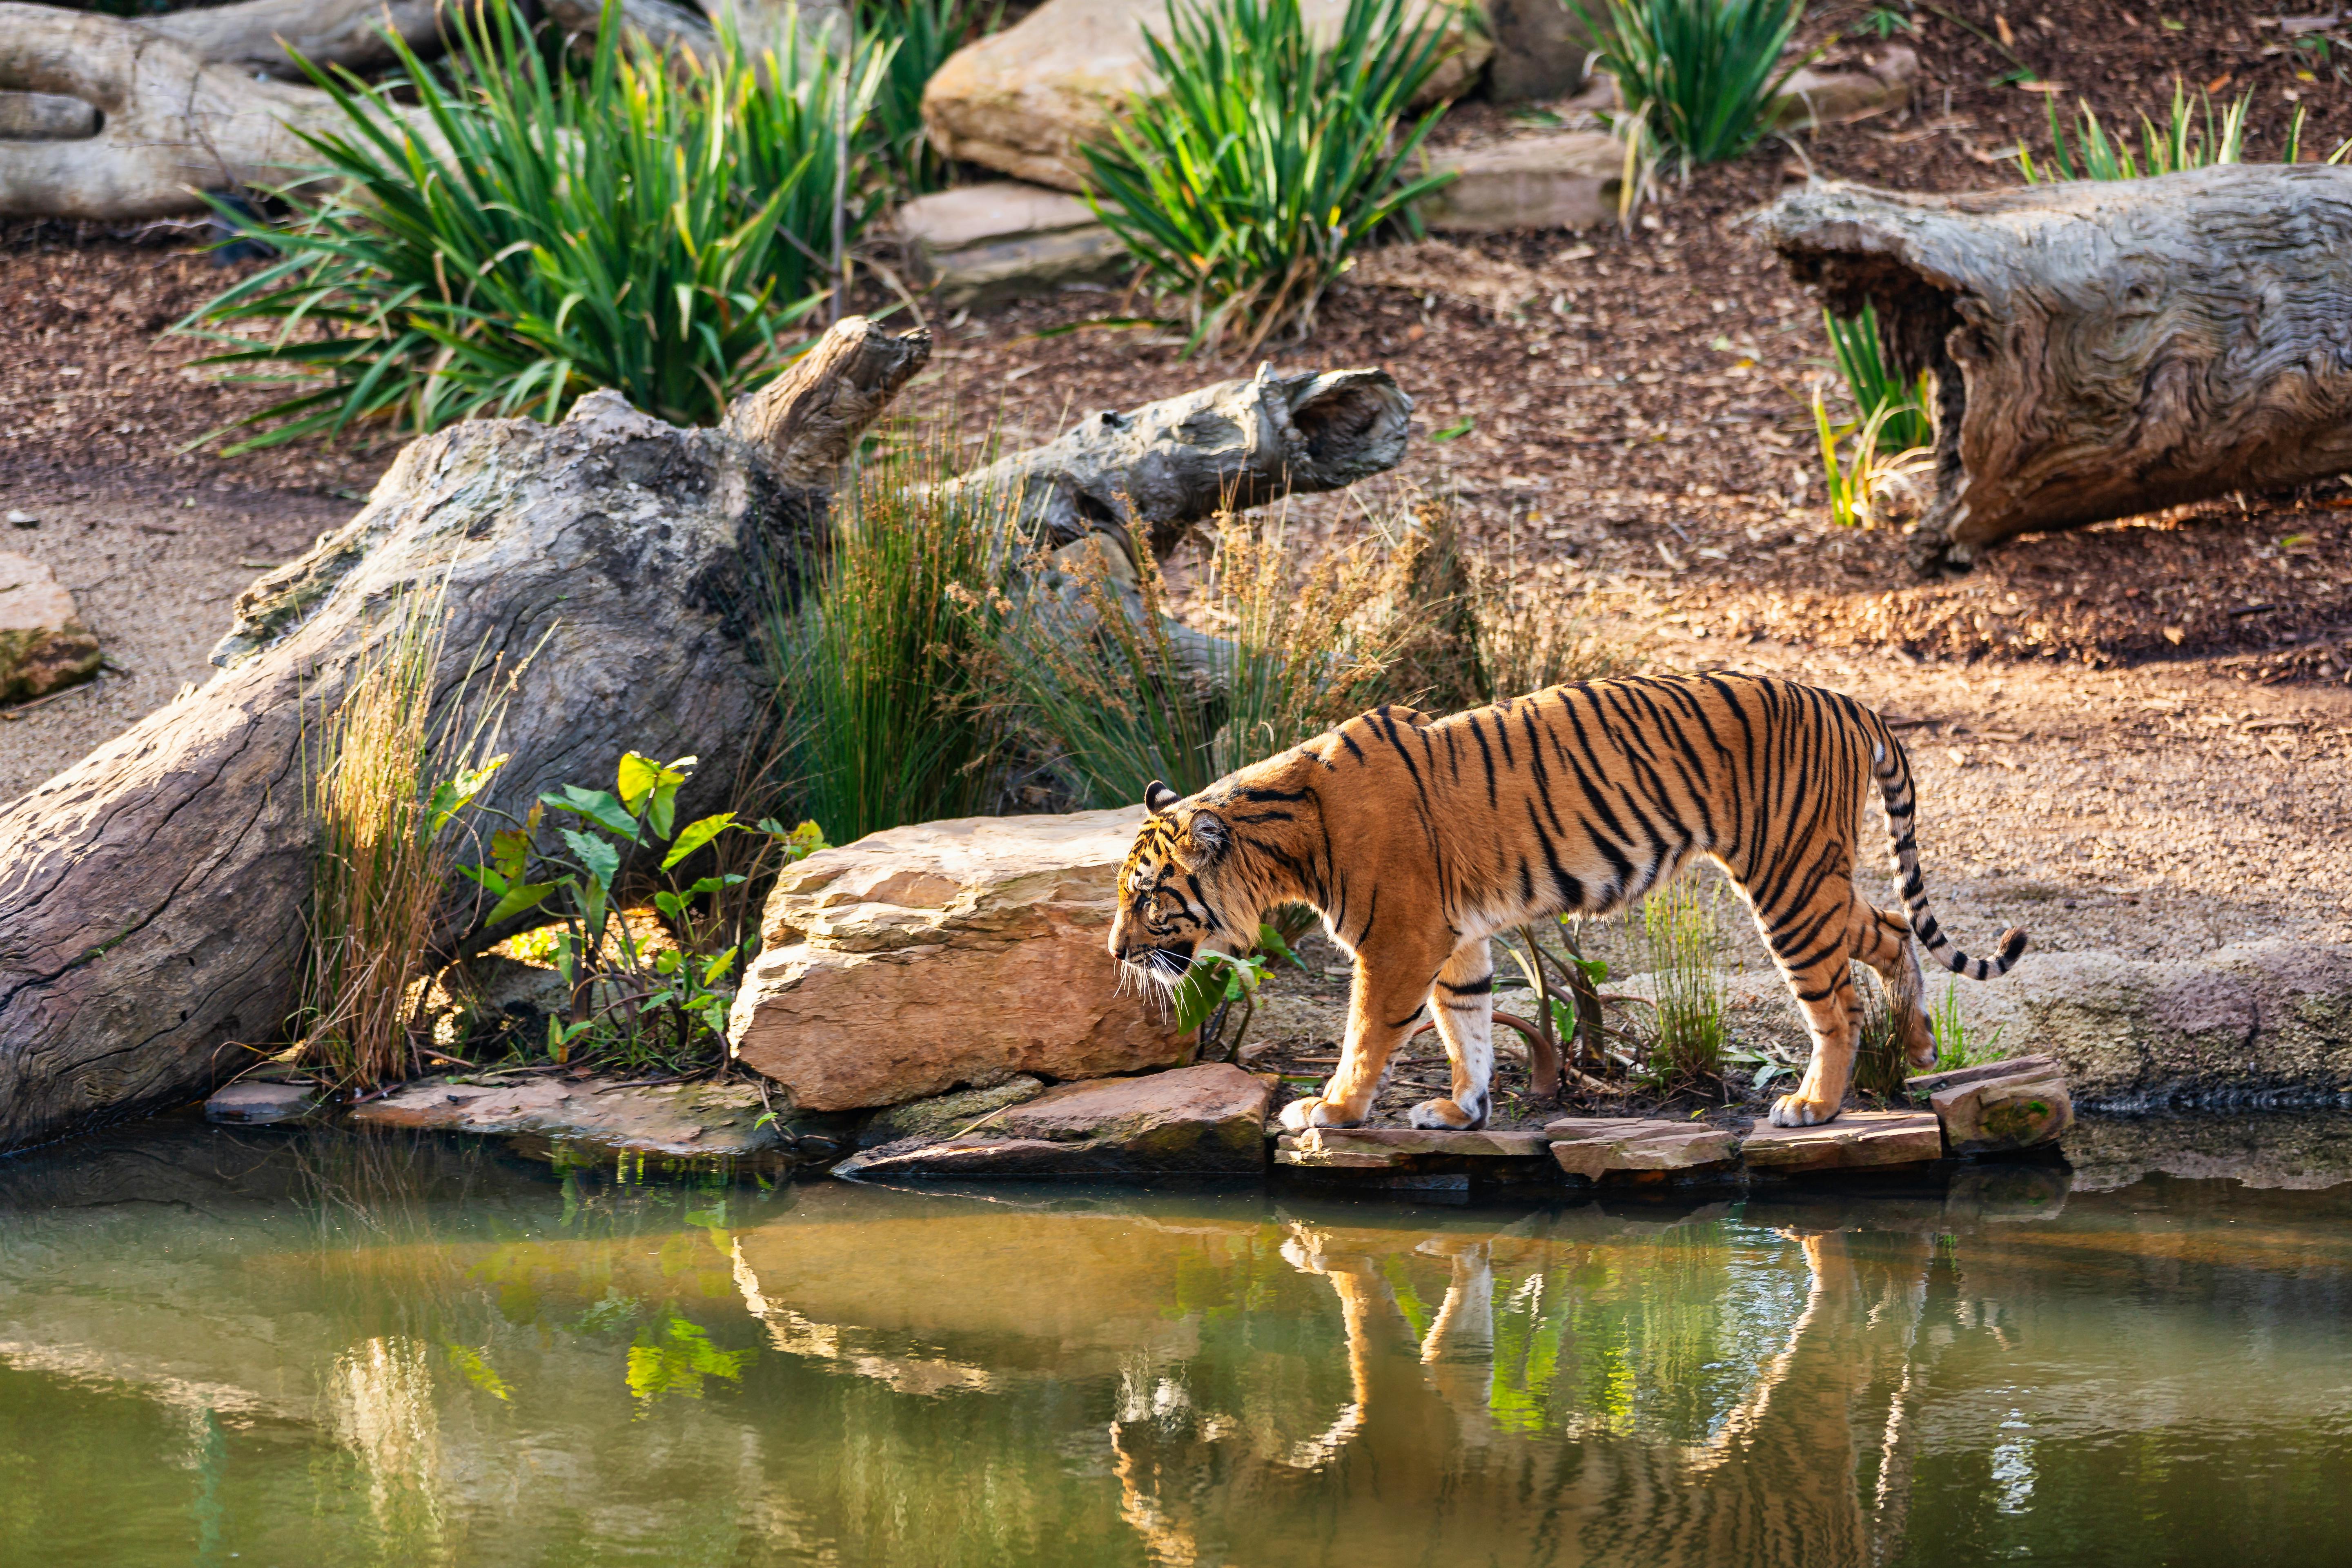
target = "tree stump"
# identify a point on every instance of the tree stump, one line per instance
(2101, 349)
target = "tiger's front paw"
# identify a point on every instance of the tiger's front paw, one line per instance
(1444, 1115)
(1791, 1110)
(1316, 1112)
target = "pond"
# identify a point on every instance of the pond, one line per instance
(314, 1347)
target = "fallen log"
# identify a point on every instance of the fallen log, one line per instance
(614, 568)
(2100, 349)
(269, 36)
(168, 124)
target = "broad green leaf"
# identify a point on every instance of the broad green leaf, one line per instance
(696, 835)
(670, 903)
(596, 805)
(510, 850)
(526, 896)
(600, 856)
(1270, 941)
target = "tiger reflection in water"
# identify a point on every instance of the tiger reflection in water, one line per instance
(1810, 1468)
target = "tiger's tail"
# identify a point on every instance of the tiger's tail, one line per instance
(1892, 767)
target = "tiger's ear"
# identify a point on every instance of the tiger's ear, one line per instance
(1203, 842)
(1157, 797)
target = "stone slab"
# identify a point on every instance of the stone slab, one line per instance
(682, 1119)
(1006, 239)
(1857, 1139)
(1340, 1159)
(1596, 1146)
(1569, 179)
(945, 1115)
(253, 1104)
(1926, 1084)
(2002, 1114)
(1475, 1145)
(1204, 1119)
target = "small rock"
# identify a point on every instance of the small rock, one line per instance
(1507, 1145)
(1857, 1139)
(945, 1115)
(982, 244)
(44, 646)
(2003, 1113)
(1206, 1119)
(24, 520)
(253, 1104)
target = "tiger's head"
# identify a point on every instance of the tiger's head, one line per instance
(1171, 897)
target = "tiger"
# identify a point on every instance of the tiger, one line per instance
(1417, 839)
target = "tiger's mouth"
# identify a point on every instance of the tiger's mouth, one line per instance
(1163, 966)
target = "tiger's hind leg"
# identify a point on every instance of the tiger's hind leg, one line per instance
(1463, 1001)
(1887, 946)
(1815, 948)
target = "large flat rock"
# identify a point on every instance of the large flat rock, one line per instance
(1022, 100)
(1003, 239)
(1594, 1146)
(1569, 179)
(1857, 1139)
(951, 953)
(44, 646)
(682, 1119)
(1205, 1120)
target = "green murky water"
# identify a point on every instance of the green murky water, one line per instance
(240, 1347)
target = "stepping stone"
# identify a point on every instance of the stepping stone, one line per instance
(1595, 1146)
(686, 1120)
(1004, 239)
(1857, 1139)
(1286, 1151)
(1209, 1119)
(257, 1104)
(1999, 1106)
(1502, 1146)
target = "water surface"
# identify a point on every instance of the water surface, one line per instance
(316, 1347)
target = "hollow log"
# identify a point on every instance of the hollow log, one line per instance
(151, 895)
(171, 123)
(2101, 349)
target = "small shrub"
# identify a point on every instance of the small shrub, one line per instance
(1682, 936)
(382, 788)
(1698, 77)
(886, 671)
(1120, 693)
(1266, 158)
(515, 241)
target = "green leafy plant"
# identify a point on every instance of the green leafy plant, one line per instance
(1860, 473)
(920, 35)
(884, 672)
(512, 241)
(640, 1001)
(2183, 141)
(382, 784)
(1873, 382)
(1698, 77)
(1267, 157)
(1954, 1048)
(1205, 996)
(1683, 938)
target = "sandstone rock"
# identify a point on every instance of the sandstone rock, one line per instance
(2015, 1111)
(952, 952)
(44, 646)
(1569, 179)
(1878, 85)
(1288, 1152)
(254, 1104)
(1920, 1085)
(1022, 100)
(1856, 1140)
(1540, 50)
(1204, 1120)
(1498, 1144)
(977, 244)
(1595, 1146)
(684, 1119)
(944, 1115)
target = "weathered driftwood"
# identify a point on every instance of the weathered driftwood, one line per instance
(170, 123)
(151, 895)
(268, 35)
(1238, 444)
(2102, 348)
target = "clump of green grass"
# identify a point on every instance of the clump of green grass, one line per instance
(2183, 141)
(1879, 1065)
(1954, 1048)
(514, 239)
(1682, 936)
(1697, 77)
(1266, 157)
(886, 670)
(381, 787)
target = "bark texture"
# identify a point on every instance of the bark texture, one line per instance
(1236, 445)
(267, 35)
(2101, 349)
(172, 123)
(151, 895)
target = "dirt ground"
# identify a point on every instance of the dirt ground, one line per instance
(2134, 738)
